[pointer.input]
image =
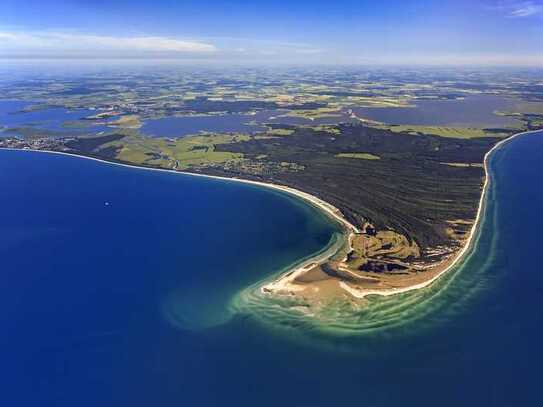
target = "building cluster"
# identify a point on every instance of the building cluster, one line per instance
(50, 144)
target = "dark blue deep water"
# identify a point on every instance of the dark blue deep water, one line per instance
(83, 288)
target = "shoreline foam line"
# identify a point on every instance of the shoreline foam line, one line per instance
(329, 210)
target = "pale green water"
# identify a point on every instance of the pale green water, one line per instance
(410, 312)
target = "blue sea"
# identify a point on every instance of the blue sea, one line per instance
(128, 287)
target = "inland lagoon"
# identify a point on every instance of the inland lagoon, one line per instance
(185, 125)
(124, 286)
(471, 111)
(181, 126)
(49, 120)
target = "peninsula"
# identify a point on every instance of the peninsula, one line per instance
(397, 161)
(408, 206)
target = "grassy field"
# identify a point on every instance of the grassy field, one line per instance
(451, 132)
(314, 113)
(280, 132)
(131, 121)
(362, 156)
(182, 153)
(328, 128)
(464, 165)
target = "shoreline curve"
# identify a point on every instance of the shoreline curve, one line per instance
(333, 213)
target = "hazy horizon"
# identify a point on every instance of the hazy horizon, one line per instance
(392, 32)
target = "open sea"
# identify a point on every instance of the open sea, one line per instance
(127, 287)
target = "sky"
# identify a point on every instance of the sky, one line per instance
(397, 32)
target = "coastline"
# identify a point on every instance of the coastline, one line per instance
(284, 281)
(329, 209)
(362, 293)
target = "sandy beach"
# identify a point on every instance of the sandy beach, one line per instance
(286, 283)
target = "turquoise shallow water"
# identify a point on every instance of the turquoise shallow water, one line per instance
(127, 303)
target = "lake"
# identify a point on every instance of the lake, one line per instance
(50, 119)
(180, 126)
(473, 111)
(189, 125)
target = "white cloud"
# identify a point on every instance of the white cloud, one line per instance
(268, 52)
(527, 10)
(519, 9)
(74, 44)
(309, 51)
(258, 48)
(7, 36)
